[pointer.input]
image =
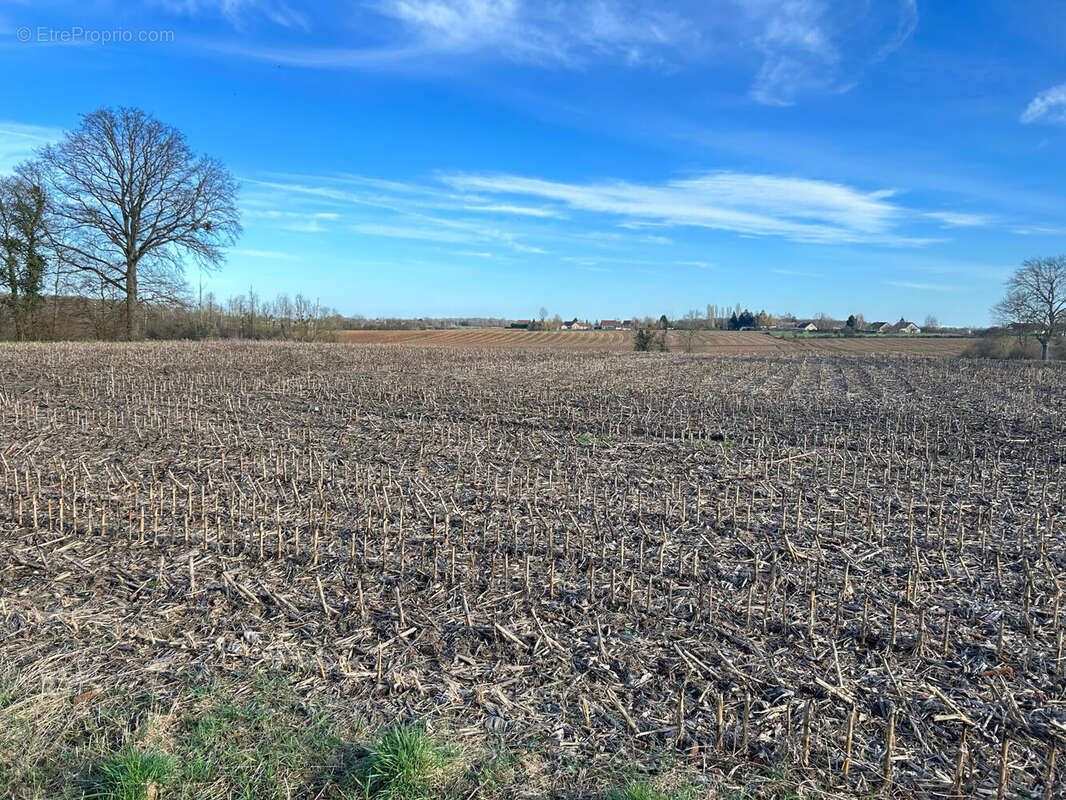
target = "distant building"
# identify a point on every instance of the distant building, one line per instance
(627, 324)
(579, 326)
(905, 327)
(520, 323)
(879, 327)
(610, 324)
(806, 326)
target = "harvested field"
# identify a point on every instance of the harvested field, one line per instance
(713, 342)
(832, 576)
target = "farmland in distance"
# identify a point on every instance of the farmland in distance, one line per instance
(713, 342)
(796, 573)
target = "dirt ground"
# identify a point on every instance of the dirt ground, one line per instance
(839, 574)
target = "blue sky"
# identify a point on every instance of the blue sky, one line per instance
(601, 158)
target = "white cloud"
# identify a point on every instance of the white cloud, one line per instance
(296, 221)
(758, 205)
(18, 142)
(1048, 106)
(411, 232)
(925, 287)
(238, 12)
(818, 45)
(791, 47)
(539, 32)
(538, 216)
(959, 219)
(796, 273)
(269, 254)
(524, 211)
(1038, 230)
(526, 248)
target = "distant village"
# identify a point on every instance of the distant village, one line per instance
(715, 319)
(746, 321)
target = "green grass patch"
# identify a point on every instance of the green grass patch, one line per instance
(639, 791)
(261, 744)
(133, 775)
(404, 764)
(260, 738)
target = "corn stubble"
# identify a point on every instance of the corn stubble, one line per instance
(845, 566)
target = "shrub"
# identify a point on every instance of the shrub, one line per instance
(643, 339)
(1003, 346)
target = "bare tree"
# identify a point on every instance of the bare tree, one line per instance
(823, 321)
(133, 201)
(931, 322)
(689, 323)
(1035, 303)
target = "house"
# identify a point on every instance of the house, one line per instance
(610, 324)
(627, 324)
(879, 327)
(905, 327)
(579, 326)
(806, 326)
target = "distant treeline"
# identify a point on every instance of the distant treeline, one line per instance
(247, 316)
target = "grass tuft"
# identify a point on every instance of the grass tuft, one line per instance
(404, 764)
(134, 775)
(645, 791)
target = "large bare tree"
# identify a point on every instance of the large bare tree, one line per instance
(1036, 300)
(133, 202)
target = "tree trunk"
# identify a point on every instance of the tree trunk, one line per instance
(1043, 349)
(131, 303)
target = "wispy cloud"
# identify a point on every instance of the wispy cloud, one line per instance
(1039, 230)
(925, 287)
(536, 216)
(413, 211)
(268, 254)
(756, 205)
(544, 33)
(240, 12)
(817, 45)
(792, 47)
(524, 211)
(798, 273)
(411, 33)
(1048, 106)
(959, 219)
(296, 221)
(412, 232)
(18, 142)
